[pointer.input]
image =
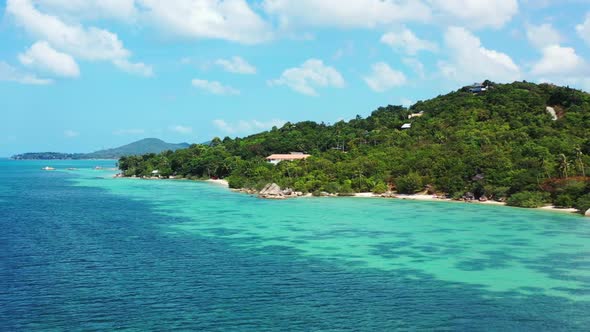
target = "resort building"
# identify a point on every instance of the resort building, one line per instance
(277, 158)
(416, 115)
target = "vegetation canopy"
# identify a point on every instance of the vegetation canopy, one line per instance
(496, 144)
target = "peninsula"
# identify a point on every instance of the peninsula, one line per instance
(144, 146)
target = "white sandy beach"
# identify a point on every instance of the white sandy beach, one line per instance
(220, 182)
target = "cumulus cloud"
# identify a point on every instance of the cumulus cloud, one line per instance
(12, 74)
(42, 56)
(246, 126)
(312, 74)
(542, 35)
(124, 10)
(477, 13)
(93, 44)
(181, 129)
(383, 77)
(214, 87)
(236, 65)
(86, 43)
(559, 61)
(405, 40)
(346, 14)
(231, 20)
(469, 61)
(583, 29)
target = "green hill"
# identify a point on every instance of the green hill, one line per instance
(499, 144)
(147, 145)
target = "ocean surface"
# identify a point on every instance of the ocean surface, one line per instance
(80, 250)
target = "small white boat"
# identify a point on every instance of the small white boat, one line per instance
(47, 168)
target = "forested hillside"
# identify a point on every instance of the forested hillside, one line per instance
(501, 143)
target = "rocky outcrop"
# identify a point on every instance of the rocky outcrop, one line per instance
(552, 112)
(273, 191)
(587, 214)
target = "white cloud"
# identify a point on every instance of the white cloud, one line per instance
(137, 68)
(231, 20)
(470, 61)
(42, 56)
(383, 77)
(93, 44)
(542, 35)
(559, 61)
(71, 133)
(584, 29)
(181, 129)
(129, 132)
(124, 10)
(477, 13)
(214, 87)
(11, 74)
(310, 75)
(346, 14)
(407, 41)
(86, 43)
(236, 65)
(246, 126)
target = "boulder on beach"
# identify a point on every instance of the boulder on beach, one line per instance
(271, 190)
(587, 214)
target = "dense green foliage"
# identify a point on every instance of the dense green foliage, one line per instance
(496, 144)
(146, 145)
(529, 199)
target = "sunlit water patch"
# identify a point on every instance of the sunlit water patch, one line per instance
(498, 248)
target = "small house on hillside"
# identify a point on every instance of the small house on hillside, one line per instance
(277, 158)
(478, 88)
(406, 126)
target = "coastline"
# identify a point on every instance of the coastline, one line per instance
(415, 197)
(219, 182)
(431, 198)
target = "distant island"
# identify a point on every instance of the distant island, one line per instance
(522, 143)
(141, 147)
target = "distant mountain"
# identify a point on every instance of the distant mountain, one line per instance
(144, 146)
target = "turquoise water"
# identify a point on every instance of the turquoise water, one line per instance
(81, 250)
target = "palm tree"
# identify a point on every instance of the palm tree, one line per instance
(563, 166)
(580, 160)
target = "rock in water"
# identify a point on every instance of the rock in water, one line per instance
(587, 214)
(271, 190)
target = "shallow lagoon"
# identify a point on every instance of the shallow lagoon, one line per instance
(83, 249)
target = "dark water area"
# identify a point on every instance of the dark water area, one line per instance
(87, 258)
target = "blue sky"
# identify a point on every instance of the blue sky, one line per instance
(80, 75)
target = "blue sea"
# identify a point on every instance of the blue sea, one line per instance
(82, 251)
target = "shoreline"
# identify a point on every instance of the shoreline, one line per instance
(431, 198)
(417, 197)
(219, 182)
